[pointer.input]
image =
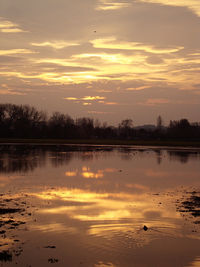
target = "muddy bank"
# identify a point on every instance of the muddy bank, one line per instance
(14, 216)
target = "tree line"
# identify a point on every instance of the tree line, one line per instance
(24, 121)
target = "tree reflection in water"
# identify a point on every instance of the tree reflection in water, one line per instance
(26, 158)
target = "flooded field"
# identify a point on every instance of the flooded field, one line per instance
(98, 206)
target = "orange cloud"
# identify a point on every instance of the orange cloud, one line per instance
(111, 103)
(70, 98)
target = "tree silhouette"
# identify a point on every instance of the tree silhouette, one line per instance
(23, 121)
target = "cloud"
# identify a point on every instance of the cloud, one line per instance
(15, 30)
(111, 5)
(16, 51)
(194, 5)
(7, 26)
(112, 43)
(111, 103)
(137, 88)
(93, 98)
(109, 57)
(131, 51)
(85, 98)
(55, 44)
(59, 67)
(71, 98)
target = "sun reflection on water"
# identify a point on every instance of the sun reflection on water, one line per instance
(195, 263)
(87, 173)
(108, 212)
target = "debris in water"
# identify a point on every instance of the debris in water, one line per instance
(52, 260)
(145, 228)
(50, 247)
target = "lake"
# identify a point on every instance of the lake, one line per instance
(99, 206)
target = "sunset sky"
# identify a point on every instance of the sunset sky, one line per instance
(103, 59)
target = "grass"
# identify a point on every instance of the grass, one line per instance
(103, 142)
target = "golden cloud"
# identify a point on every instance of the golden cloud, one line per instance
(110, 67)
(137, 88)
(55, 44)
(70, 98)
(194, 5)
(16, 51)
(124, 65)
(85, 98)
(7, 26)
(114, 58)
(93, 97)
(15, 30)
(112, 43)
(111, 5)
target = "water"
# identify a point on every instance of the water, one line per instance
(88, 205)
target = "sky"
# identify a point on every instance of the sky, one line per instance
(104, 59)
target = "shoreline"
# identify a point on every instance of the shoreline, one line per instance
(169, 143)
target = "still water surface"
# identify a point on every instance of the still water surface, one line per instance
(88, 205)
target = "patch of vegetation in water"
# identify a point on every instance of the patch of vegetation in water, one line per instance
(9, 210)
(191, 206)
(5, 256)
